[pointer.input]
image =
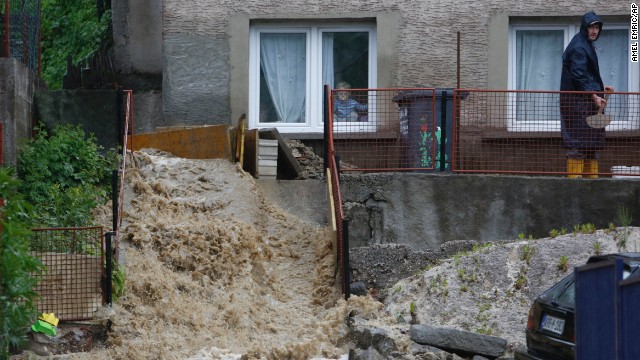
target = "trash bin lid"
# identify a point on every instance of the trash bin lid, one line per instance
(410, 95)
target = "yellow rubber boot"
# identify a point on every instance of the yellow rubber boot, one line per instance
(591, 168)
(574, 168)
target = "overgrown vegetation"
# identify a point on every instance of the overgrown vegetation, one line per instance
(18, 269)
(64, 176)
(70, 29)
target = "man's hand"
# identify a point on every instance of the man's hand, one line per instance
(608, 88)
(600, 102)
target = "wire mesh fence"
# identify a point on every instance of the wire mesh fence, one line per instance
(546, 132)
(21, 31)
(71, 285)
(384, 129)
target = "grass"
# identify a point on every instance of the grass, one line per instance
(527, 252)
(563, 263)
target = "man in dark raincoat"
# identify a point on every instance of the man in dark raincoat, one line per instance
(580, 72)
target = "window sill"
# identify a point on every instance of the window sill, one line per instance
(497, 135)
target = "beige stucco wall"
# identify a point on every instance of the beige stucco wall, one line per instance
(416, 39)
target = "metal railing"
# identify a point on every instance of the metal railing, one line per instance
(543, 132)
(71, 285)
(21, 31)
(384, 129)
(484, 131)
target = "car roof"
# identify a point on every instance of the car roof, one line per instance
(627, 257)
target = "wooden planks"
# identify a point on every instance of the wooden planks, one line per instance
(203, 142)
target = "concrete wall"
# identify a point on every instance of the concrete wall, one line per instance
(137, 35)
(96, 111)
(426, 210)
(18, 85)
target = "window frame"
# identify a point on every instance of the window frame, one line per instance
(633, 80)
(314, 86)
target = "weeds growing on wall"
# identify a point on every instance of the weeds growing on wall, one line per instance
(18, 269)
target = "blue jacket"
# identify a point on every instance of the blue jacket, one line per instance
(580, 72)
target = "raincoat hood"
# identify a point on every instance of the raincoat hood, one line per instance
(588, 19)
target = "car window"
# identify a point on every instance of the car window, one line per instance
(568, 295)
(559, 288)
(567, 292)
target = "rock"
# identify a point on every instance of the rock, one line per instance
(358, 288)
(67, 340)
(365, 354)
(458, 341)
(383, 265)
(419, 349)
(366, 337)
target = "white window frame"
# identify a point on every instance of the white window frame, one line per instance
(569, 31)
(314, 87)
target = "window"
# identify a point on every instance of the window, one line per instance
(289, 64)
(535, 63)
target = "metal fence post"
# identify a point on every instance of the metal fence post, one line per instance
(443, 131)
(108, 282)
(325, 119)
(345, 259)
(114, 199)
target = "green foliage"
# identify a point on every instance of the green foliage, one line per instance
(624, 216)
(555, 232)
(563, 263)
(18, 270)
(587, 228)
(70, 28)
(118, 283)
(64, 176)
(597, 247)
(527, 252)
(521, 280)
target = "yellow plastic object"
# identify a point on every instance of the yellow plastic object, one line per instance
(44, 327)
(574, 168)
(50, 318)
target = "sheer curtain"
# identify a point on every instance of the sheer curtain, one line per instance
(539, 67)
(283, 61)
(327, 59)
(613, 53)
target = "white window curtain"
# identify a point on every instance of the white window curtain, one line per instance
(327, 59)
(613, 54)
(539, 67)
(283, 61)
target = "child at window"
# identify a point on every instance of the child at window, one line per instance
(345, 108)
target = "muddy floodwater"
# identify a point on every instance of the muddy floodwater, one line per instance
(215, 271)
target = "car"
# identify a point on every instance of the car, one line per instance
(550, 329)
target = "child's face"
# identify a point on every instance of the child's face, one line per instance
(342, 95)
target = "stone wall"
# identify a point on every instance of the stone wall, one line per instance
(427, 210)
(18, 84)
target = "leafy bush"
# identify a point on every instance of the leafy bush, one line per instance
(18, 270)
(64, 175)
(70, 28)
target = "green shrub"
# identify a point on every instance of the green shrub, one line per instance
(18, 270)
(64, 175)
